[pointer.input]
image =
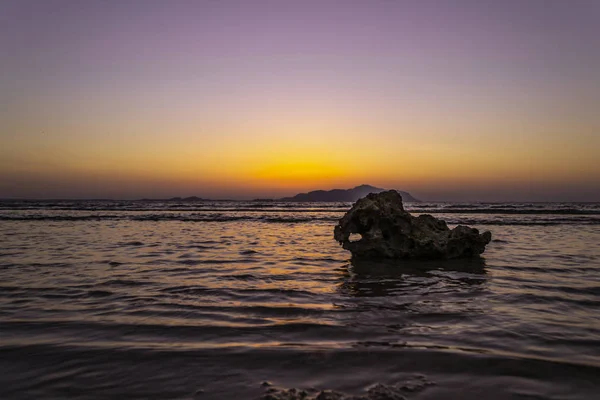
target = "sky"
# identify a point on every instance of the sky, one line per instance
(449, 100)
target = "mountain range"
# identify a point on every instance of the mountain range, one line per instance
(344, 194)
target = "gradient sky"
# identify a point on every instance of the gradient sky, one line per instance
(449, 100)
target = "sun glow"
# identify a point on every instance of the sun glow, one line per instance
(235, 106)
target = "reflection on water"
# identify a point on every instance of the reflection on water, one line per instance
(378, 278)
(166, 308)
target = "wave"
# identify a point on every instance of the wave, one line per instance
(505, 210)
(194, 209)
(274, 206)
(291, 219)
(542, 214)
(166, 217)
(533, 222)
(511, 211)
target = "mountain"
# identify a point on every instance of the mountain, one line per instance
(344, 194)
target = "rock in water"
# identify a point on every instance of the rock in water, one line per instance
(388, 231)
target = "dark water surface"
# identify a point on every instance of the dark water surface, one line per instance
(153, 300)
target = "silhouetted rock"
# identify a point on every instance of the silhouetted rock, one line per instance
(342, 194)
(388, 231)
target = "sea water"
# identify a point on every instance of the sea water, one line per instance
(208, 300)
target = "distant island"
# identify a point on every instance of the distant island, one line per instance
(344, 194)
(347, 195)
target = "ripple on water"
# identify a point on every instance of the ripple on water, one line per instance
(161, 307)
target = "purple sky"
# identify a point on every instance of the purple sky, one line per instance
(457, 100)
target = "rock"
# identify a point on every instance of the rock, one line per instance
(287, 394)
(383, 392)
(388, 231)
(417, 384)
(330, 395)
(377, 391)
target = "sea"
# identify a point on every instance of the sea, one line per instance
(256, 300)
